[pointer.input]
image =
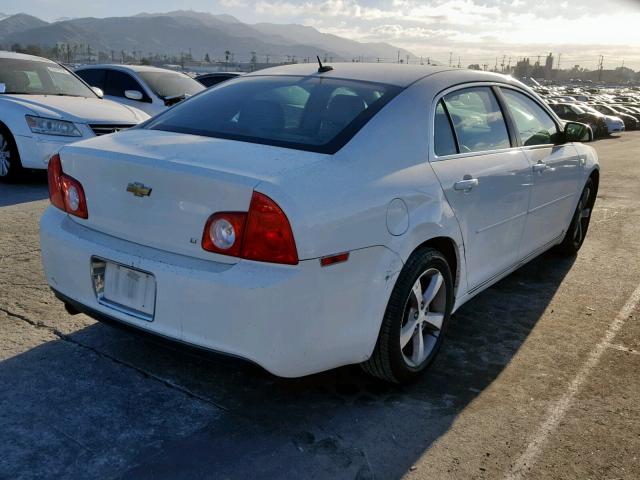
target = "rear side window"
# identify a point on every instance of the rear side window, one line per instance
(306, 113)
(477, 120)
(535, 126)
(94, 77)
(444, 143)
(118, 82)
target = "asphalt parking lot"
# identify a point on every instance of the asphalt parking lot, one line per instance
(539, 378)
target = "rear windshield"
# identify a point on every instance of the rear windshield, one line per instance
(171, 84)
(315, 114)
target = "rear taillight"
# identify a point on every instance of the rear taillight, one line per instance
(263, 234)
(65, 192)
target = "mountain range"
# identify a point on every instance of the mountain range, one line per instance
(185, 31)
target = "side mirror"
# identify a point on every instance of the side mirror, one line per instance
(577, 132)
(98, 91)
(133, 95)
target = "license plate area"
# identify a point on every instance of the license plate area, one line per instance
(125, 289)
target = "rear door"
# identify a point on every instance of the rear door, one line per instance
(555, 170)
(485, 180)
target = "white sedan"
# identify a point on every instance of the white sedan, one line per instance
(151, 89)
(308, 218)
(44, 106)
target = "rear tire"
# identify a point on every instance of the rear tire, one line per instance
(415, 320)
(577, 232)
(10, 165)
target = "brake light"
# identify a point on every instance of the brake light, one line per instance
(263, 234)
(65, 192)
(54, 176)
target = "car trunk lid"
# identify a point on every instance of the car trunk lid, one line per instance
(158, 188)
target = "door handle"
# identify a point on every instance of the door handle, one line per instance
(465, 185)
(540, 167)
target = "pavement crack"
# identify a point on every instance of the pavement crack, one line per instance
(15, 254)
(145, 373)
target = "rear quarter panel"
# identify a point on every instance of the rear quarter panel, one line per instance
(340, 203)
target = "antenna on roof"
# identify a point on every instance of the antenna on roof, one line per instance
(323, 68)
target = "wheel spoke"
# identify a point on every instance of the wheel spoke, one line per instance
(435, 282)
(578, 235)
(418, 348)
(408, 329)
(434, 320)
(417, 292)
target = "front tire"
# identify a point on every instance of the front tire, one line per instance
(415, 320)
(10, 165)
(577, 232)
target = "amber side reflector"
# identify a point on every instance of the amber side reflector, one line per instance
(333, 259)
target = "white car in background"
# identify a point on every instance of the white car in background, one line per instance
(44, 106)
(150, 89)
(307, 218)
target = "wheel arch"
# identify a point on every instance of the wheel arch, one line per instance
(449, 248)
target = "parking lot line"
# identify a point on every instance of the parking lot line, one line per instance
(559, 409)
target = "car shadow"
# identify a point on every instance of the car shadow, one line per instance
(31, 188)
(338, 424)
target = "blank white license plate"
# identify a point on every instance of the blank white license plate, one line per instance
(129, 288)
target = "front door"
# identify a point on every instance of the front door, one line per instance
(555, 170)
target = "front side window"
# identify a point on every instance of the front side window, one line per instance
(535, 126)
(477, 120)
(316, 114)
(34, 77)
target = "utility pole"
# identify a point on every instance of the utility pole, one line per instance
(600, 68)
(559, 57)
(459, 63)
(450, 57)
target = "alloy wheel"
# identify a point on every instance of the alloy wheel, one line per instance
(5, 156)
(424, 315)
(583, 214)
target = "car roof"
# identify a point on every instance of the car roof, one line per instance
(22, 56)
(218, 74)
(400, 75)
(131, 68)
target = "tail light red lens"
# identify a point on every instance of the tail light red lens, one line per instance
(65, 192)
(54, 177)
(268, 236)
(263, 234)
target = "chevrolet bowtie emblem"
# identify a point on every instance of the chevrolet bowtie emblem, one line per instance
(139, 189)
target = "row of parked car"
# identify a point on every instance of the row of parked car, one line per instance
(606, 112)
(62, 106)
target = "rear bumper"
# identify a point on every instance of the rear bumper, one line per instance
(291, 320)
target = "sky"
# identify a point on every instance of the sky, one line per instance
(477, 31)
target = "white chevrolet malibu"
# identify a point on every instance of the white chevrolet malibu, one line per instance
(307, 218)
(44, 106)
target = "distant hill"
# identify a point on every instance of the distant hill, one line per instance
(187, 31)
(18, 23)
(342, 46)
